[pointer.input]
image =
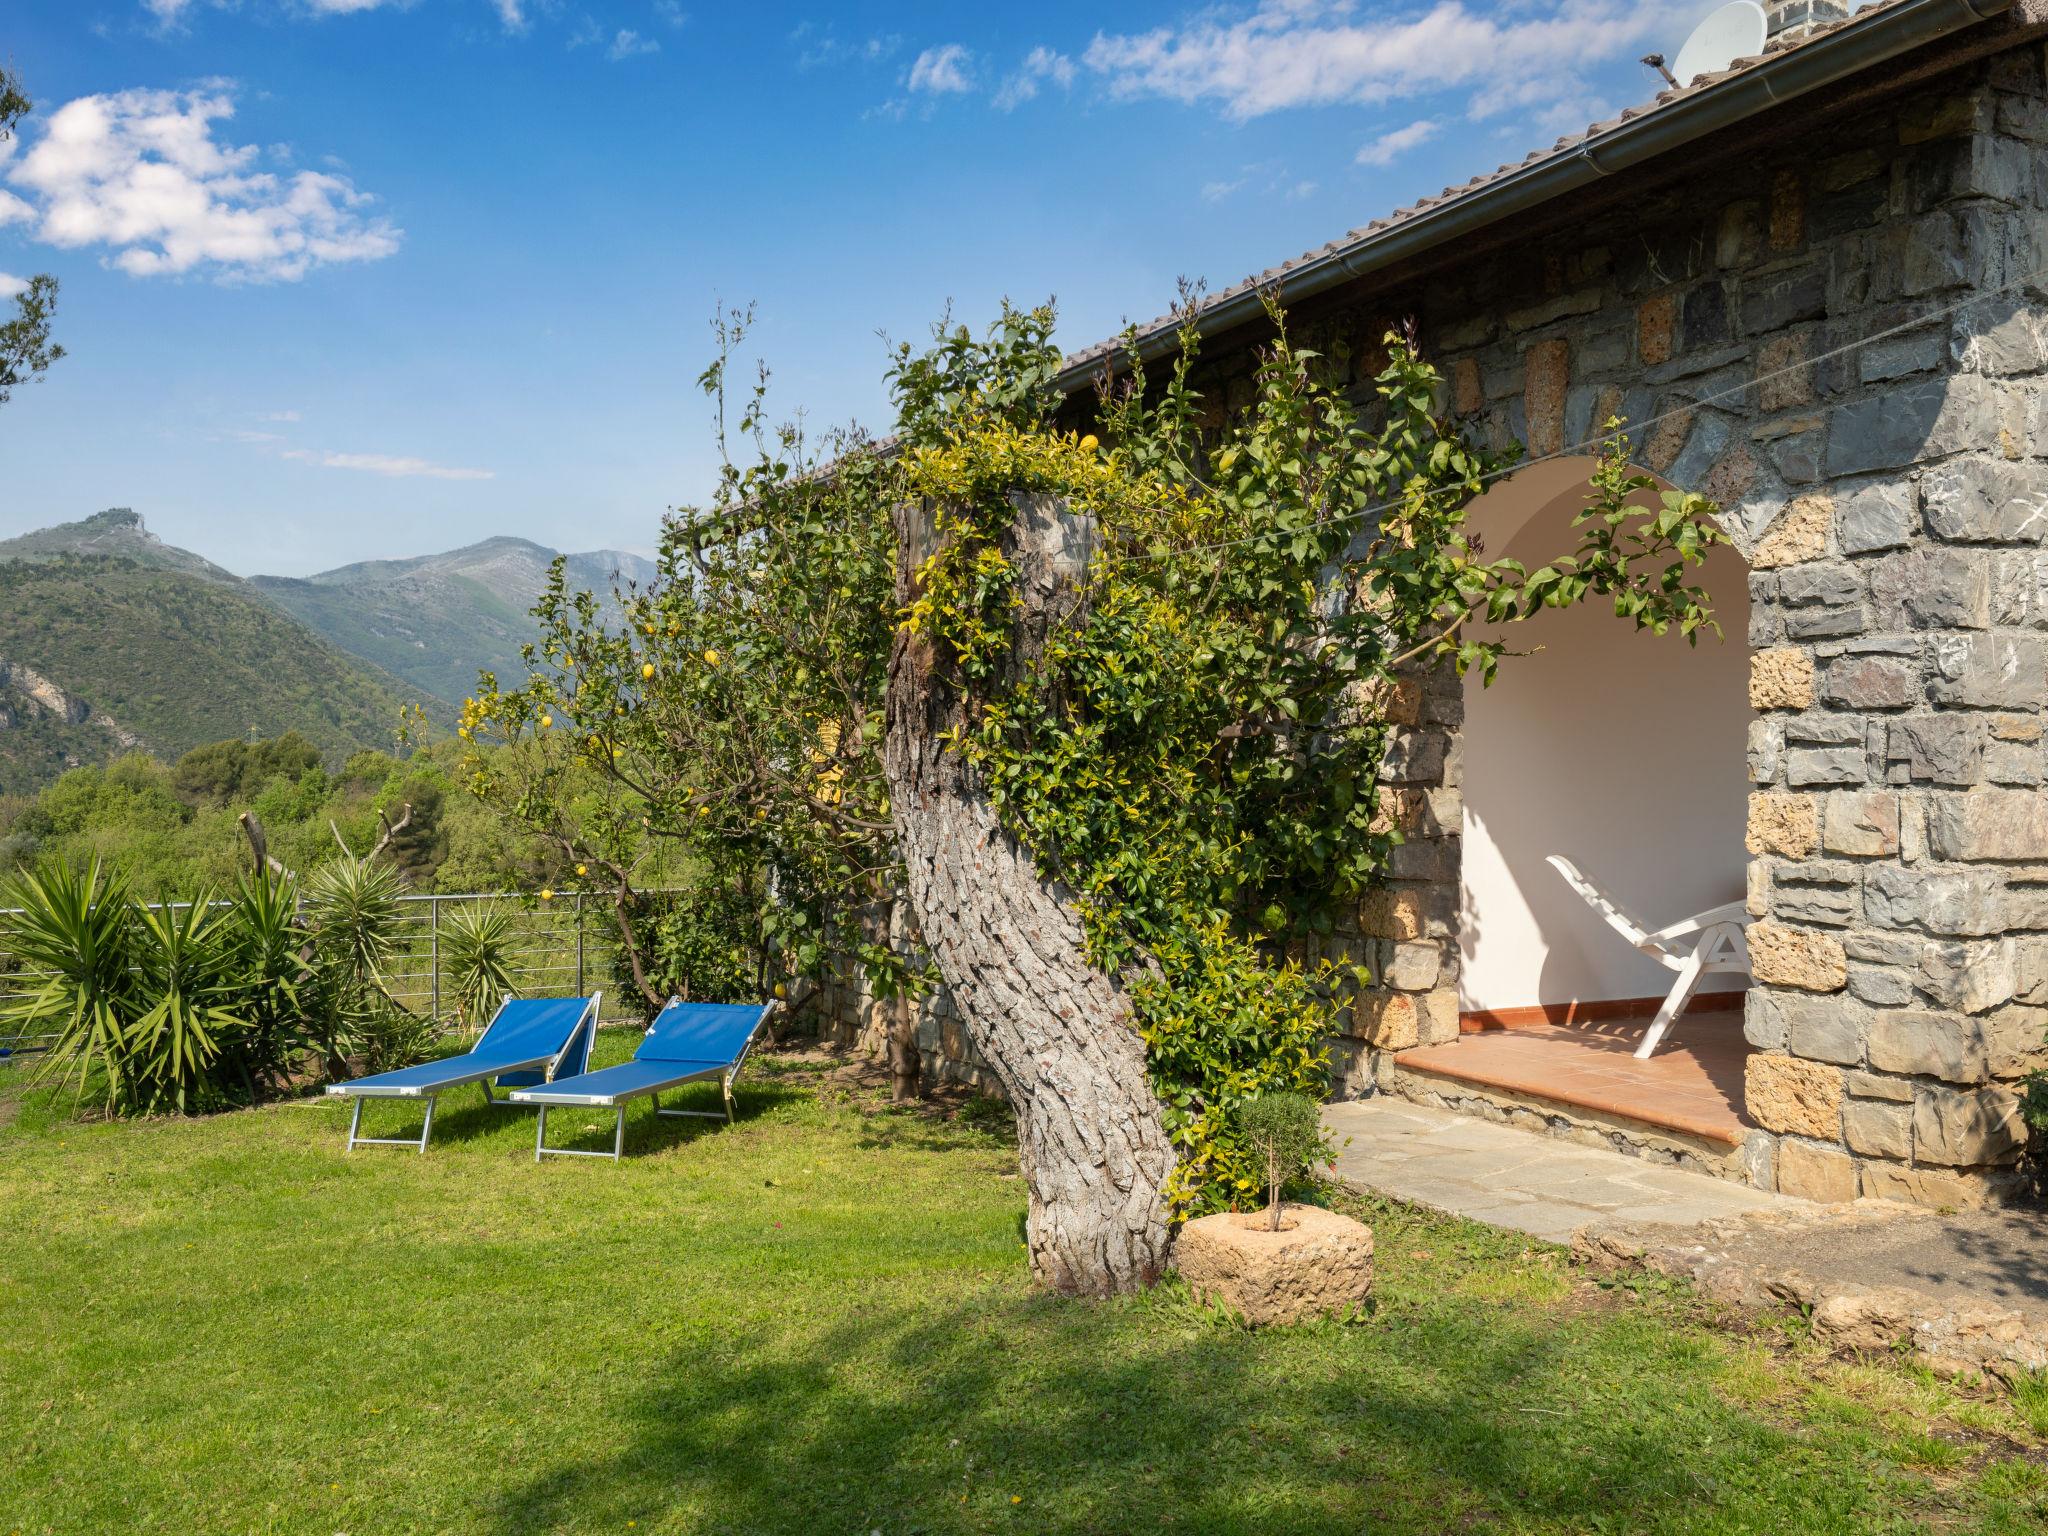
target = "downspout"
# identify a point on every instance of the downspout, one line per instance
(1863, 43)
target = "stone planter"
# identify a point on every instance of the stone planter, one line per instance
(1318, 1265)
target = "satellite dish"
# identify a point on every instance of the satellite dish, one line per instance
(1735, 31)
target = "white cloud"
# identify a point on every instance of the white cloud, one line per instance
(819, 47)
(946, 70)
(281, 416)
(1040, 65)
(10, 285)
(387, 464)
(14, 210)
(512, 13)
(1390, 146)
(1296, 53)
(169, 13)
(671, 12)
(142, 174)
(1264, 178)
(628, 43)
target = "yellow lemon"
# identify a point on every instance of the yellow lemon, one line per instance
(781, 990)
(547, 895)
(711, 658)
(647, 670)
(582, 869)
(546, 721)
(1088, 443)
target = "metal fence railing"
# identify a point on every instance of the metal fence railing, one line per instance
(556, 947)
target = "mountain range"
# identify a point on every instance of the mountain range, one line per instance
(437, 620)
(112, 640)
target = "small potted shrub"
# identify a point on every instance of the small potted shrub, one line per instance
(1286, 1262)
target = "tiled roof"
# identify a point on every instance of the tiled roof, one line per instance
(1568, 145)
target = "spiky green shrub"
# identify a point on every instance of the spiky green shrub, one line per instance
(73, 929)
(476, 953)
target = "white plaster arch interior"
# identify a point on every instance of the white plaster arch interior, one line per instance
(1624, 751)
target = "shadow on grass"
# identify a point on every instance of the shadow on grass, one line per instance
(1052, 1416)
(473, 1120)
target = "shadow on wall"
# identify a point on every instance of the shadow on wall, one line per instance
(1623, 751)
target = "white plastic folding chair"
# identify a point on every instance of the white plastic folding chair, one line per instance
(1706, 944)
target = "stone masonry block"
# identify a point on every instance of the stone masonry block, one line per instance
(1781, 678)
(1995, 669)
(1878, 1130)
(1945, 748)
(1413, 967)
(1388, 1020)
(1547, 371)
(1877, 517)
(1800, 533)
(1873, 682)
(1979, 499)
(1862, 823)
(1808, 766)
(1920, 1043)
(1787, 825)
(1966, 1127)
(1931, 420)
(1989, 825)
(1823, 1028)
(1794, 957)
(1826, 1174)
(1970, 978)
(1786, 1094)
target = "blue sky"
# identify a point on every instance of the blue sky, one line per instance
(347, 279)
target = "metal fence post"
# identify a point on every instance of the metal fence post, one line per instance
(434, 954)
(579, 946)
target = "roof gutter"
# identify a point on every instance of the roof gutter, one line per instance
(1862, 44)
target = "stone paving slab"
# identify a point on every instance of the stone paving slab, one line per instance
(1964, 1291)
(1512, 1178)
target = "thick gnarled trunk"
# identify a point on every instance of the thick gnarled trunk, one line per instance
(1057, 1032)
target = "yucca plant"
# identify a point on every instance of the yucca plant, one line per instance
(74, 931)
(187, 977)
(352, 909)
(272, 974)
(476, 947)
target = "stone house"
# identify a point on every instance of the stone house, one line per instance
(1814, 284)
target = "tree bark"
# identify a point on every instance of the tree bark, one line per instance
(1057, 1032)
(905, 1065)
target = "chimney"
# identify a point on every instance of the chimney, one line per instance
(1794, 19)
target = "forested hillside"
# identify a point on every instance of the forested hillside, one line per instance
(104, 654)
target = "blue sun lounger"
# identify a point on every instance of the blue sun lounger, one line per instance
(529, 1040)
(686, 1043)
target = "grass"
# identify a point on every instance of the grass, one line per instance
(819, 1321)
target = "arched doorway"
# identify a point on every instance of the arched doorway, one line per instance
(1624, 752)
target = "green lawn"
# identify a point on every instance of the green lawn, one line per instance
(819, 1321)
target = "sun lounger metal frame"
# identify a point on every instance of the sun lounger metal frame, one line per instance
(564, 1094)
(366, 1089)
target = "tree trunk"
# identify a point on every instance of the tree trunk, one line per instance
(1056, 1031)
(905, 1066)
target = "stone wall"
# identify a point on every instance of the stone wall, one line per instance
(1892, 502)
(844, 1010)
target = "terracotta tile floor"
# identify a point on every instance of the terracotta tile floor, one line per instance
(1693, 1083)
